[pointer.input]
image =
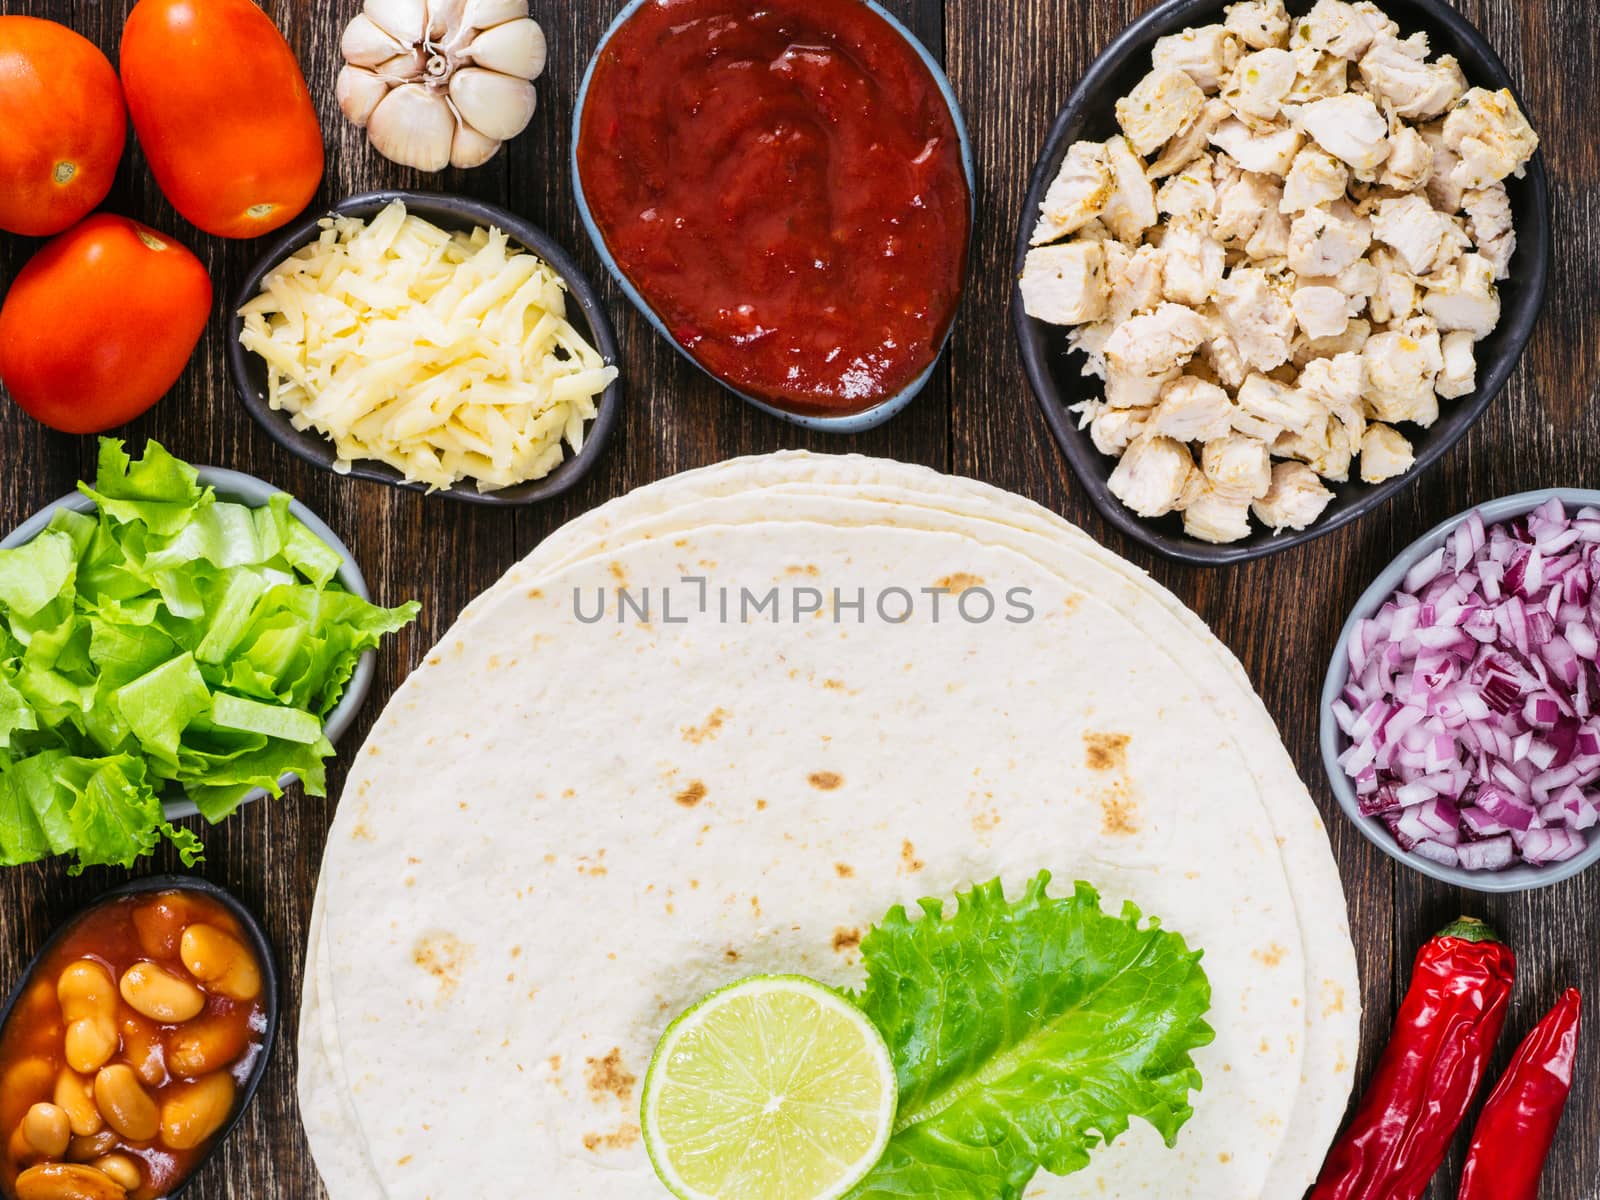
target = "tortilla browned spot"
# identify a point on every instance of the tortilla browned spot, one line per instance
(696, 734)
(960, 582)
(844, 870)
(1106, 751)
(1271, 956)
(442, 955)
(846, 939)
(825, 781)
(608, 1077)
(910, 864)
(691, 795)
(1118, 811)
(618, 1139)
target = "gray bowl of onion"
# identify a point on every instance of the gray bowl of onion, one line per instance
(1461, 712)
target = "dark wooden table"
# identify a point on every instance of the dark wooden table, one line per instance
(1013, 63)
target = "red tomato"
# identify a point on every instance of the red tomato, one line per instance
(223, 113)
(65, 126)
(100, 324)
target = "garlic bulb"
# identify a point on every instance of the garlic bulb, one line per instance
(439, 83)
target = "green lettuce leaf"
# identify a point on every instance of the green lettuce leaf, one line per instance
(1025, 1035)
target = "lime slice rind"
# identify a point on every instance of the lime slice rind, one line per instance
(773, 1088)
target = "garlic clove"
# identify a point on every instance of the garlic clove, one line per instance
(444, 20)
(402, 68)
(359, 91)
(413, 127)
(496, 105)
(404, 20)
(471, 148)
(515, 48)
(365, 44)
(484, 14)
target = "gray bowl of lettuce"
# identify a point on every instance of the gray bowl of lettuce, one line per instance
(253, 542)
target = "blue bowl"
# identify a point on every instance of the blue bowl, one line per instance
(855, 422)
(246, 489)
(1522, 877)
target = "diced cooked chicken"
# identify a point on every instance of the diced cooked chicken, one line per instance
(1323, 312)
(1124, 389)
(1280, 406)
(1385, 453)
(1317, 75)
(1135, 280)
(1192, 410)
(1217, 517)
(1190, 194)
(1460, 374)
(1243, 199)
(1425, 238)
(1444, 193)
(1193, 264)
(1113, 430)
(1259, 82)
(1338, 382)
(1294, 500)
(1352, 341)
(1078, 195)
(1349, 127)
(1162, 103)
(1264, 152)
(1491, 225)
(1238, 464)
(1066, 285)
(1221, 353)
(1341, 29)
(1357, 281)
(1327, 239)
(1492, 137)
(1410, 162)
(1464, 298)
(1315, 177)
(1269, 244)
(1396, 296)
(1258, 318)
(1399, 73)
(1157, 342)
(1132, 207)
(1191, 142)
(1401, 366)
(1090, 341)
(1152, 476)
(1206, 54)
(1326, 449)
(1259, 23)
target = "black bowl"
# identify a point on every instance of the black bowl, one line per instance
(1056, 374)
(452, 213)
(259, 943)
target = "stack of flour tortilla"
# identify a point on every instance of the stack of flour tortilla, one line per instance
(572, 822)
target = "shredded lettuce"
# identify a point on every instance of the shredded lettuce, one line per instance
(1025, 1034)
(169, 644)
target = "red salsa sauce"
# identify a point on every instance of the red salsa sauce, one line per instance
(782, 181)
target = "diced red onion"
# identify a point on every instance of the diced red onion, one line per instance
(1469, 715)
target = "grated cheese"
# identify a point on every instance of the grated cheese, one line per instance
(447, 356)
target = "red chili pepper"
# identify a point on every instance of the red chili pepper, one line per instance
(1441, 1046)
(1518, 1125)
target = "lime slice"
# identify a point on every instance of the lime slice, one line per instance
(774, 1088)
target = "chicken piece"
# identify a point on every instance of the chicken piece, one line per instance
(1443, 191)
(1492, 137)
(1132, 207)
(1396, 297)
(1460, 374)
(1259, 82)
(1066, 285)
(1206, 55)
(1153, 475)
(1399, 74)
(1278, 405)
(1493, 229)
(1243, 199)
(1352, 341)
(1327, 239)
(1193, 262)
(1317, 76)
(1269, 244)
(1260, 152)
(1221, 353)
(1113, 430)
(1090, 341)
(1192, 410)
(1237, 464)
(1337, 383)
(1260, 24)
(1426, 239)
(1294, 499)
(1125, 389)
(1161, 104)
(1190, 195)
(1349, 127)
(1342, 30)
(1257, 317)
(1325, 449)
(1401, 365)
(1357, 282)
(1410, 162)
(1315, 177)
(1191, 141)
(1323, 312)
(1385, 453)
(1217, 517)
(1078, 195)
(1157, 342)
(1135, 277)
(1464, 298)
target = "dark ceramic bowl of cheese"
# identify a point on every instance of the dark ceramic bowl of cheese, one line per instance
(1056, 373)
(456, 214)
